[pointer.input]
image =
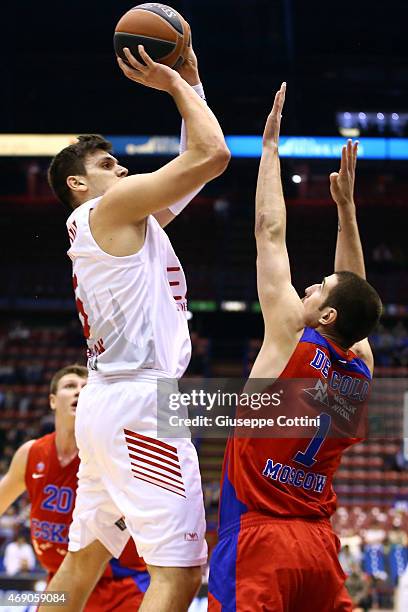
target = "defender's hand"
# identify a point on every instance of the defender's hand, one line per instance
(342, 182)
(151, 74)
(272, 127)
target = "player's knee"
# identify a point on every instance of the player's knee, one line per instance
(194, 578)
(91, 559)
(186, 578)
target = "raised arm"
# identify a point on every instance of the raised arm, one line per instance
(189, 72)
(12, 485)
(281, 306)
(349, 251)
(131, 199)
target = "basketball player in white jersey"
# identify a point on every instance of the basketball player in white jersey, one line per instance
(131, 296)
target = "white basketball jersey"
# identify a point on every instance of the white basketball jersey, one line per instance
(132, 308)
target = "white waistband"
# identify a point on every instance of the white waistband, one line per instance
(137, 375)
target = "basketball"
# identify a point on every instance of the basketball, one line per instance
(162, 31)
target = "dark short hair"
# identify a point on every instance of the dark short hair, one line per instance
(75, 368)
(70, 161)
(358, 307)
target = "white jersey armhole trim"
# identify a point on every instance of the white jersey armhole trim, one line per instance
(135, 257)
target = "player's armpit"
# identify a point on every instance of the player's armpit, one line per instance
(12, 485)
(283, 318)
(279, 343)
(363, 350)
(135, 197)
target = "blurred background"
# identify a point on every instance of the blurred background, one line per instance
(346, 69)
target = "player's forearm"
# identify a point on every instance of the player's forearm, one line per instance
(180, 205)
(270, 209)
(349, 251)
(199, 89)
(204, 133)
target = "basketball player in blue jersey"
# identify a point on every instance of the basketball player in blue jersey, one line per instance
(277, 551)
(130, 292)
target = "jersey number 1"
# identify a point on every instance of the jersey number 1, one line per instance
(307, 458)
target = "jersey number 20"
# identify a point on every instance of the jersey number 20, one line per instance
(60, 499)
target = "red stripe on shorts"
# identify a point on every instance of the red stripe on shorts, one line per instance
(163, 482)
(162, 456)
(143, 460)
(158, 473)
(160, 486)
(150, 447)
(129, 432)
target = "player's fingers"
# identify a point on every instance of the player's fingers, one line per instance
(127, 70)
(131, 73)
(355, 153)
(122, 64)
(334, 184)
(343, 164)
(133, 61)
(275, 103)
(350, 155)
(145, 57)
(275, 121)
(278, 106)
(124, 67)
(283, 92)
(272, 126)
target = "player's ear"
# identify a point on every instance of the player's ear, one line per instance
(52, 399)
(328, 316)
(77, 183)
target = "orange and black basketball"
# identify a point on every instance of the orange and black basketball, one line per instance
(162, 31)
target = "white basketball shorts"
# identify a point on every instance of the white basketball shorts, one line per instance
(132, 483)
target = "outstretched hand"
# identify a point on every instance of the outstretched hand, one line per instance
(151, 73)
(342, 182)
(272, 127)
